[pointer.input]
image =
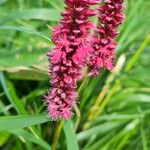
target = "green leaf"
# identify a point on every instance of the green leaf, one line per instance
(70, 136)
(26, 74)
(100, 129)
(21, 121)
(23, 58)
(57, 4)
(11, 95)
(4, 136)
(137, 54)
(30, 137)
(41, 13)
(23, 29)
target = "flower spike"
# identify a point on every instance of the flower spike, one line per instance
(110, 17)
(72, 47)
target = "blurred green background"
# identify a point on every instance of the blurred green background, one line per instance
(113, 112)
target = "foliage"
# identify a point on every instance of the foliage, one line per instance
(113, 109)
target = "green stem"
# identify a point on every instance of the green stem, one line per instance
(78, 117)
(57, 134)
(137, 54)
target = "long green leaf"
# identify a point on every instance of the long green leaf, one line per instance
(11, 95)
(23, 29)
(21, 121)
(100, 129)
(30, 137)
(70, 136)
(57, 4)
(41, 13)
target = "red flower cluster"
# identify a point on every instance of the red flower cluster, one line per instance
(69, 55)
(74, 44)
(110, 17)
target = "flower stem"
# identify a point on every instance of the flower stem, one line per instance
(78, 117)
(57, 134)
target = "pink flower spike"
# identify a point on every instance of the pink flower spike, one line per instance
(110, 17)
(68, 57)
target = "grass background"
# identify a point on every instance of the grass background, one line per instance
(113, 112)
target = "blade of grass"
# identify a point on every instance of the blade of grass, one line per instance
(4, 136)
(70, 136)
(23, 29)
(57, 134)
(30, 137)
(11, 95)
(99, 143)
(129, 25)
(100, 129)
(41, 13)
(21, 121)
(137, 54)
(4, 109)
(142, 131)
(125, 133)
(14, 100)
(144, 140)
(55, 4)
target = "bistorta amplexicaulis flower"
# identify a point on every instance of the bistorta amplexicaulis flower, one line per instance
(75, 48)
(110, 17)
(72, 47)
